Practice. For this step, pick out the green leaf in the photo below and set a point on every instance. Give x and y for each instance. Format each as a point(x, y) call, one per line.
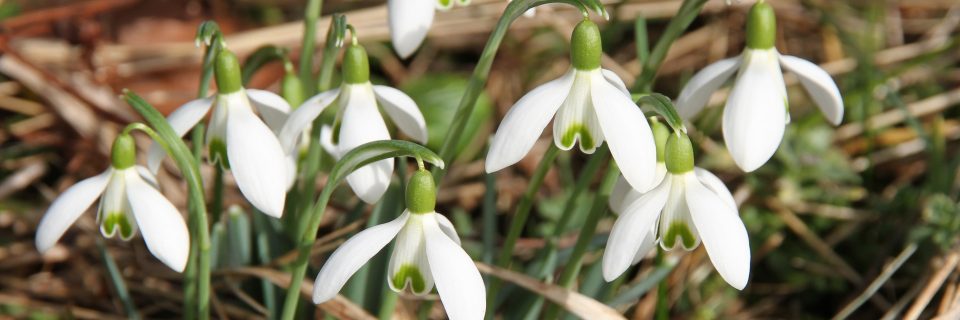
point(662, 106)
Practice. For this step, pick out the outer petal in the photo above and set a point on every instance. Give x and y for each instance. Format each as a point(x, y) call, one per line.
point(350, 256)
point(184, 118)
point(648, 243)
point(301, 118)
point(722, 232)
point(525, 121)
point(819, 85)
point(456, 276)
point(626, 130)
point(403, 111)
point(615, 80)
point(623, 194)
point(695, 94)
point(755, 115)
point(630, 230)
point(257, 161)
point(148, 176)
point(447, 227)
point(409, 22)
point(713, 183)
point(363, 123)
point(272, 107)
point(161, 224)
point(65, 210)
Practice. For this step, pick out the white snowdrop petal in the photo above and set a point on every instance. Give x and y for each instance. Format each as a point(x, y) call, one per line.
point(627, 133)
point(161, 224)
point(523, 124)
point(181, 120)
point(447, 227)
point(716, 185)
point(721, 230)
point(65, 210)
point(615, 80)
point(630, 230)
point(409, 22)
point(408, 268)
point(403, 111)
point(755, 114)
point(272, 107)
point(696, 93)
point(818, 83)
point(301, 118)
point(257, 161)
point(362, 123)
point(352, 255)
point(456, 276)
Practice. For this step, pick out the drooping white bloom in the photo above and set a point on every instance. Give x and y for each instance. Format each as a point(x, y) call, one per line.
point(592, 106)
point(427, 253)
point(689, 205)
point(411, 19)
point(129, 200)
point(359, 122)
point(756, 111)
point(238, 138)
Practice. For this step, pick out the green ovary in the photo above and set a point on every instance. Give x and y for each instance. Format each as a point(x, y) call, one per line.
point(411, 272)
point(570, 136)
point(681, 230)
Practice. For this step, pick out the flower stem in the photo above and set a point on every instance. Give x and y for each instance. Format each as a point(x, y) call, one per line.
point(117, 280)
point(689, 10)
point(519, 220)
point(216, 204)
point(311, 15)
point(663, 304)
point(597, 211)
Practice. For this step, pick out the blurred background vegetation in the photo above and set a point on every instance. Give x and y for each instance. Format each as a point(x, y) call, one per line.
point(857, 221)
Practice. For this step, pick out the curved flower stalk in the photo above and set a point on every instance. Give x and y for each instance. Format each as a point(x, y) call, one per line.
point(591, 105)
point(129, 200)
point(427, 254)
point(689, 205)
point(411, 19)
point(756, 112)
point(237, 138)
point(358, 121)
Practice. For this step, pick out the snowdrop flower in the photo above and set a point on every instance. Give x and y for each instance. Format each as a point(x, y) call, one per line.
point(236, 138)
point(591, 105)
point(358, 121)
point(756, 112)
point(427, 254)
point(688, 205)
point(411, 19)
point(129, 201)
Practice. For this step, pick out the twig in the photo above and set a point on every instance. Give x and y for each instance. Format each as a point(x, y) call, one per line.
point(888, 271)
point(932, 287)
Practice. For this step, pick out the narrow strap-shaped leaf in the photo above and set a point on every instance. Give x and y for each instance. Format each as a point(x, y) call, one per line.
point(662, 105)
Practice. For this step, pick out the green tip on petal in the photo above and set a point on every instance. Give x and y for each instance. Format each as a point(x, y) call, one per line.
point(570, 136)
point(660, 135)
point(586, 48)
point(292, 89)
point(761, 27)
point(421, 193)
point(227, 72)
point(356, 65)
point(218, 153)
point(411, 273)
point(117, 221)
point(124, 153)
point(682, 231)
point(678, 153)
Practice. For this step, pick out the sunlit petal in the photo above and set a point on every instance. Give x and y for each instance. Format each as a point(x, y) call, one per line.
point(723, 233)
point(181, 120)
point(161, 224)
point(65, 210)
point(630, 230)
point(409, 22)
point(818, 83)
point(403, 111)
point(272, 107)
point(257, 161)
point(756, 112)
point(696, 93)
point(627, 133)
point(457, 279)
point(301, 118)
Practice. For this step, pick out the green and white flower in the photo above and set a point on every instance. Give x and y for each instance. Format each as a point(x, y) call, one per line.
point(358, 122)
point(689, 205)
point(756, 112)
point(237, 138)
point(592, 105)
point(410, 21)
point(129, 200)
point(427, 253)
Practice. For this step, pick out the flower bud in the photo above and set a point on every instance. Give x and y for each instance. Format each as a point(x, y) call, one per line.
point(586, 49)
point(679, 153)
point(421, 193)
point(356, 66)
point(124, 153)
point(761, 26)
point(660, 135)
point(227, 72)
